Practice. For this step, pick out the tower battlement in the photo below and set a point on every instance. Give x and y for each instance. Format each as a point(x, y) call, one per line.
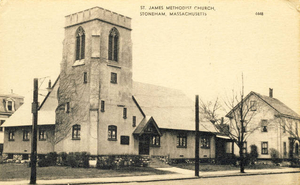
point(98, 13)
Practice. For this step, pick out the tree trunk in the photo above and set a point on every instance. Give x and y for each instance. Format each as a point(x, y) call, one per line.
point(242, 160)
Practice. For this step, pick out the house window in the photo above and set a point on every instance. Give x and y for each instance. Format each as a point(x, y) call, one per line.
point(10, 156)
point(264, 124)
point(1, 122)
point(124, 140)
point(253, 105)
point(244, 147)
point(124, 113)
point(113, 45)
point(80, 43)
point(284, 149)
point(11, 135)
point(9, 105)
point(25, 157)
point(67, 107)
point(133, 121)
point(25, 135)
point(113, 78)
point(102, 106)
point(42, 135)
point(112, 133)
point(155, 141)
point(264, 147)
point(181, 141)
point(76, 132)
point(85, 77)
point(205, 142)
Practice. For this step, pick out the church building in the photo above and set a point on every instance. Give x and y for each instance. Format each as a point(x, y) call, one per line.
point(96, 107)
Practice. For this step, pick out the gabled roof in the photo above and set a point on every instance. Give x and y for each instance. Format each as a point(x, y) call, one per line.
point(170, 108)
point(46, 113)
point(144, 124)
point(274, 103)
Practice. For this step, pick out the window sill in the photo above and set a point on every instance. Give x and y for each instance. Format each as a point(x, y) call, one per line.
point(11, 140)
point(25, 139)
point(75, 138)
point(42, 139)
point(154, 145)
point(265, 154)
point(78, 63)
point(181, 146)
point(205, 147)
point(109, 139)
point(112, 82)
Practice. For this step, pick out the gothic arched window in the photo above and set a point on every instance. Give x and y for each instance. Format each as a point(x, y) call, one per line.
point(80, 43)
point(113, 44)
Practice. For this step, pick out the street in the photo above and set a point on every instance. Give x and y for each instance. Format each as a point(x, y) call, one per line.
point(273, 179)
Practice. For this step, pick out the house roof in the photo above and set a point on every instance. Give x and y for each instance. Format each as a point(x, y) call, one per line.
point(46, 113)
point(170, 108)
point(274, 103)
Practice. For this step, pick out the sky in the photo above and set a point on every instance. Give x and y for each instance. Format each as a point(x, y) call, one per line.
point(203, 55)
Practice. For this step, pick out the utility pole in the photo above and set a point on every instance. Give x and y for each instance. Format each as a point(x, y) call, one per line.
point(34, 132)
point(197, 136)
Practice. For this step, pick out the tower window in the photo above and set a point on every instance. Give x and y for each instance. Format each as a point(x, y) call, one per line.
point(124, 113)
point(134, 121)
point(102, 106)
point(76, 132)
point(112, 133)
point(85, 77)
point(67, 107)
point(80, 43)
point(113, 78)
point(113, 44)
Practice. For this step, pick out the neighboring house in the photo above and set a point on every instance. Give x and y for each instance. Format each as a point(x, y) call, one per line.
point(17, 136)
point(100, 110)
point(9, 103)
point(269, 120)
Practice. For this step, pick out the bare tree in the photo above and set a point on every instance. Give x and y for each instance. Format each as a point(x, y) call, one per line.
point(290, 126)
point(238, 127)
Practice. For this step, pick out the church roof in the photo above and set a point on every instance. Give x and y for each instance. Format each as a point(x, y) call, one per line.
point(170, 108)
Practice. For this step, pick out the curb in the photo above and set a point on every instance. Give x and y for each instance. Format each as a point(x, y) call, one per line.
point(166, 179)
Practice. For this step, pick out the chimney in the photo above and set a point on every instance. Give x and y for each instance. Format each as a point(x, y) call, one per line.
point(49, 88)
point(270, 92)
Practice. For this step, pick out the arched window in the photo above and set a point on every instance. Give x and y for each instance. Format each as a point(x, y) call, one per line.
point(112, 132)
point(80, 43)
point(76, 132)
point(113, 44)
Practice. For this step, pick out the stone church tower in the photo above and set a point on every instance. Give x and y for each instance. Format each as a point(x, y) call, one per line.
point(94, 97)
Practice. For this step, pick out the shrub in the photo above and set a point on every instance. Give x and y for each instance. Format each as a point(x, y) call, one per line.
point(253, 154)
point(275, 156)
point(63, 158)
point(48, 160)
point(228, 158)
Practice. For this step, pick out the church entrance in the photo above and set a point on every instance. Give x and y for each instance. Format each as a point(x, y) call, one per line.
point(144, 144)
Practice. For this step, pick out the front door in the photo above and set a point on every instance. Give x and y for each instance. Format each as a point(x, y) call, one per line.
point(144, 144)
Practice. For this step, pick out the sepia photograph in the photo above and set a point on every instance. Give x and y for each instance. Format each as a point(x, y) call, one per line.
point(150, 92)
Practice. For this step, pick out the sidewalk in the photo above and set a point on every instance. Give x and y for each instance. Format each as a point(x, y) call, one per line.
point(180, 174)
